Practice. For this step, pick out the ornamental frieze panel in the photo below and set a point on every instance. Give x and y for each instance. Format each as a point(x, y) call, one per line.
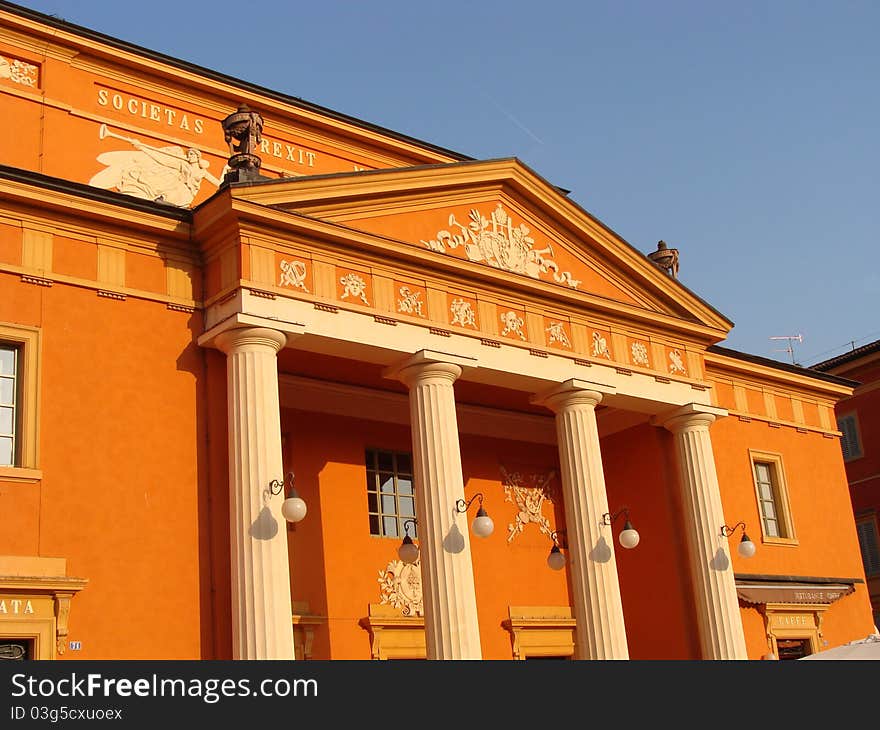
point(512, 324)
point(494, 238)
point(600, 344)
point(528, 490)
point(463, 311)
point(400, 586)
point(557, 333)
point(638, 353)
point(410, 299)
point(19, 72)
point(353, 287)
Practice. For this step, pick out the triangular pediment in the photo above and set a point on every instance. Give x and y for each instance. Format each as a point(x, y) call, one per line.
point(498, 214)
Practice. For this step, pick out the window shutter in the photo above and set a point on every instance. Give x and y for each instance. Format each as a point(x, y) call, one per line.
point(849, 439)
point(869, 545)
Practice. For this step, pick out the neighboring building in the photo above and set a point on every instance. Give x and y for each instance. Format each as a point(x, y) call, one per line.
point(408, 331)
point(858, 419)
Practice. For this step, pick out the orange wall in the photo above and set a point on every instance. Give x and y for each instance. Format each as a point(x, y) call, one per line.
point(820, 510)
point(335, 562)
point(655, 585)
point(119, 451)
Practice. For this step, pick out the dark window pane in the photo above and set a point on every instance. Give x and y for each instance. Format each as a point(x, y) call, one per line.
point(370, 459)
point(404, 464)
point(372, 502)
point(386, 461)
point(374, 525)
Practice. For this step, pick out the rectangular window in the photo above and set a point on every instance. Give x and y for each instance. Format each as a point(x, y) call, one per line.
point(9, 420)
point(869, 543)
point(772, 494)
point(390, 495)
point(850, 442)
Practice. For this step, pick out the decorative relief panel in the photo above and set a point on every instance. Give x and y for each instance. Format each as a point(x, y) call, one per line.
point(528, 491)
point(556, 335)
point(512, 325)
point(463, 312)
point(353, 286)
point(400, 585)
point(19, 72)
point(497, 242)
point(411, 300)
point(293, 274)
point(599, 345)
point(676, 362)
point(639, 354)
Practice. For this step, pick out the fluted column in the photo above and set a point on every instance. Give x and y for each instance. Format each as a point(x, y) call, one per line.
point(598, 611)
point(720, 623)
point(451, 627)
point(261, 604)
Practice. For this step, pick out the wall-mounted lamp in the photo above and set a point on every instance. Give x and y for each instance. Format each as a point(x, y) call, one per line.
point(482, 525)
point(408, 552)
point(294, 507)
point(746, 547)
point(628, 537)
point(556, 558)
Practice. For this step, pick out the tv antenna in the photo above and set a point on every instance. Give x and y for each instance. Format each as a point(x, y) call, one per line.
point(790, 349)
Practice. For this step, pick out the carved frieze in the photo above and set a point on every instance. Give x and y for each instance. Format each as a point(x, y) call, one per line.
point(462, 313)
point(19, 72)
point(600, 346)
point(639, 352)
point(354, 286)
point(513, 325)
point(400, 585)
point(527, 491)
point(293, 273)
point(556, 333)
point(676, 362)
point(496, 241)
point(410, 301)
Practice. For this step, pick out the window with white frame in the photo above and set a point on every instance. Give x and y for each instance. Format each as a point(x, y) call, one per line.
point(9, 388)
point(850, 442)
point(869, 543)
point(390, 496)
point(772, 494)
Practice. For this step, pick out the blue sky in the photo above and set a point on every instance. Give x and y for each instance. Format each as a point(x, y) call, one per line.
point(744, 134)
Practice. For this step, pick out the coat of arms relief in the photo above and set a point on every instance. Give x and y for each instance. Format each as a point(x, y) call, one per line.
point(528, 491)
point(496, 241)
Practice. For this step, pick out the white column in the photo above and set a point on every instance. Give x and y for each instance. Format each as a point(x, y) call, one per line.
point(261, 605)
point(451, 627)
point(720, 622)
point(601, 633)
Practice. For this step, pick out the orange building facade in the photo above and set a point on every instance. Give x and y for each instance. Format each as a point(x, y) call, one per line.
point(410, 333)
point(858, 419)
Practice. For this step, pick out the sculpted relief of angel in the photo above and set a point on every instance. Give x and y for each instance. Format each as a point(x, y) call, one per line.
point(169, 174)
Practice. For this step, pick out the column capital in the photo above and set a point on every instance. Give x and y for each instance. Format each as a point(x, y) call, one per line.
point(573, 392)
point(690, 416)
point(429, 364)
point(236, 339)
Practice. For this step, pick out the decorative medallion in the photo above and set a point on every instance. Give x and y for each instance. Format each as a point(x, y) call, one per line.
point(496, 242)
point(676, 364)
point(401, 586)
point(600, 346)
point(410, 301)
point(293, 273)
point(462, 313)
point(355, 286)
point(18, 72)
point(527, 491)
point(639, 353)
point(556, 330)
point(512, 324)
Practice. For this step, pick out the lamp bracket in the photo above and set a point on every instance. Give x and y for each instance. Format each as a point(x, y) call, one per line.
point(276, 486)
point(728, 531)
point(558, 538)
point(608, 518)
point(462, 506)
point(406, 524)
